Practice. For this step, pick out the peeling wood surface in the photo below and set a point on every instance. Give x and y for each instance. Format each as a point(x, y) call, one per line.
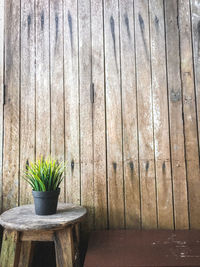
point(113, 88)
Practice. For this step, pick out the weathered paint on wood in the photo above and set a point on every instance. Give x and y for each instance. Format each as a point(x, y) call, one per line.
point(160, 116)
point(176, 117)
point(145, 120)
point(86, 112)
point(129, 111)
point(42, 79)
point(56, 85)
point(71, 93)
point(98, 105)
point(113, 115)
point(27, 114)
point(1, 92)
point(11, 105)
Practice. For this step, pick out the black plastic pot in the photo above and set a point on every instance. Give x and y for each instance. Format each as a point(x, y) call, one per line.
point(46, 202)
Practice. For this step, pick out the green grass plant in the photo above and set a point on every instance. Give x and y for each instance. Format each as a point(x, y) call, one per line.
point(44, 175)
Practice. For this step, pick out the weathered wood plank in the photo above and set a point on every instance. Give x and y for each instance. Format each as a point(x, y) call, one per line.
point(27, 115)
point(160, 116)
point(86, 112)
point(1, 92)
point(10, 250)
point(26, 254)
point(189, 109)
point(57, 94)
point(11, 107)
point(63, 240)
point(175, 115)
point(129, 109)
point(113, 115)
point(195, 16)
point(71, 92)
point(145, 120)
point(42, 79)
point(100, 183)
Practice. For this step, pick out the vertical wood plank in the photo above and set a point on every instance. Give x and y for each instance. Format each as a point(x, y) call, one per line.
point(1, 92)
point(86, 112)
point(113, 115)
point(63, 240)
point(71, 86)
point(27, 114)
point(100, 184)
point(195, 16)
point(145, 120)
point(11, 107)
point(160, 116)
point(129, 109)
point(175, 114)
point(190, 119)
point(10, 251)
point(42, 79)
point(57, 94)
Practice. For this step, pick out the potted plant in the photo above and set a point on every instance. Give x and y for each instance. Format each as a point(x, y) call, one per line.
point(45, 176)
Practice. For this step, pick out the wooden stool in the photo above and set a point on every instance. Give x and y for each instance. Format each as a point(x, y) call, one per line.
point(23, 227)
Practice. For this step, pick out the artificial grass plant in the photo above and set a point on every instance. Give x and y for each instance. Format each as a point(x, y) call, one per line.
point(44, 175)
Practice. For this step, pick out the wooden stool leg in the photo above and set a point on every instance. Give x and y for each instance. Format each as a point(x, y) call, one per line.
point(76, 245)
point(10, 250)
point(64, 247)
point(26, 253)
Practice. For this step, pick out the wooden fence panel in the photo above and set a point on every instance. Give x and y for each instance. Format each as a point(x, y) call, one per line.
point(113, 115)
point(27, 115)
point(56, 85)
point(71, 94)
point(160, 116)
point(11, 105)
point(129, 110)
point(86, 112)
point(145, 120)
point(98, 99)
point(190, 116)
point(42, 79)
point(175, 115)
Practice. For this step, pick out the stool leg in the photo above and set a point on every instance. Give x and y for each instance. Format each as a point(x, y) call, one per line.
point(10, 250)
point(64, 247)
point(26, 254)
point(76, 244)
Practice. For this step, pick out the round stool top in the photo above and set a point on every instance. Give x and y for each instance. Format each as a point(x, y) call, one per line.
point(23, 218)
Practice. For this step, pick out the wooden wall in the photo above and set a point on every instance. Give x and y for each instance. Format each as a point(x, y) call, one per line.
point(113, 88)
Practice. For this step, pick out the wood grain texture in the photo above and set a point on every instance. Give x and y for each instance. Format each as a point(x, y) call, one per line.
point(27, 114)
point(10, 251)
point(113, 115)
point(189, 110)
point(145, 119)
point(129, 110)
point(64, 247)
point(99, 142)
point(42, 79)
point(175, 115)
point(26, 254)
point(71, 92)
point(1, 92)
point(160, 116)
point(11, 107)
point(56, 84)
point(195, 21)
point(86, 112)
